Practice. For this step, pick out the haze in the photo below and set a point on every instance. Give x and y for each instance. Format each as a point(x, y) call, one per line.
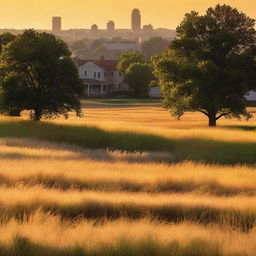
point(82, 13)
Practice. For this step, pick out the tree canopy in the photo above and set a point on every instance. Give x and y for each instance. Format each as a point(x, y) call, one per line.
point(211, 64)
point(38, 74)
point(6, 38)
point(129, 58)
point(154, 45)
point(139, 76)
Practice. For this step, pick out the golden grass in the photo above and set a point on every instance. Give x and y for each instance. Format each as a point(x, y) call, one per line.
point(34, 162)
point(143, 237)
point(62, 200)
point(156, 120)
point(100, 184)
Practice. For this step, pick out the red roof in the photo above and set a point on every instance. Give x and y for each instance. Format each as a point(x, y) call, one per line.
point(108, 65)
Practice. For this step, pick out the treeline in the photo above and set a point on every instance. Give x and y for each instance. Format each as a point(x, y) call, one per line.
point(94, 49)
point(209, 67)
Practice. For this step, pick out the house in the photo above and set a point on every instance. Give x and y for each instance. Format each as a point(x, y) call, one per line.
point(101, 77)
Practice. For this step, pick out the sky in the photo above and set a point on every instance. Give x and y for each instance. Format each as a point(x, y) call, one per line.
point(83, 13)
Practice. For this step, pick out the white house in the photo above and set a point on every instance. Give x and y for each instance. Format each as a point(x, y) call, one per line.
point(101, 77)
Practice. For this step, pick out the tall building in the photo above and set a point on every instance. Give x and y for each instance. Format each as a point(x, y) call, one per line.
point(94, 28)
point(136, 20)
point(110, 26)
point(56, 25)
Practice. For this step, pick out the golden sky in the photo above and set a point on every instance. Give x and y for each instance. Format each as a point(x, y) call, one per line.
point(83, 13)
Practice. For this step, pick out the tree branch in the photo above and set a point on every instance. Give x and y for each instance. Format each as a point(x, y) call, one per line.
point(204, 112)
point(224, 114)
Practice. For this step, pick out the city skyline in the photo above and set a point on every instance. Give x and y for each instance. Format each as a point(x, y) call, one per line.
point(82, 14)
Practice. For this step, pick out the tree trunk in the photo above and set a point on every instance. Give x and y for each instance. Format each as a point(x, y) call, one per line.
point(212, 120)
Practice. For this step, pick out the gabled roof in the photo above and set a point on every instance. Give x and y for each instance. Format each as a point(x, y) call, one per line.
point(108, 65)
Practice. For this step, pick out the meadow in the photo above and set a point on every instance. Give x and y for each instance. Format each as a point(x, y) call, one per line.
point(127, 180)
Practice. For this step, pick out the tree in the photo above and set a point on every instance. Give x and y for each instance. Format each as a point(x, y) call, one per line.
point(98, 43)
point(100, 52)
point(129, 58)
point(6, 38)
point(139, 76)
point(38, 74)
point(154, 45)
point(80, 48)
point(210, 66)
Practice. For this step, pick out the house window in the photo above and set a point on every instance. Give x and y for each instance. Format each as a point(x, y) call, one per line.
point(119, 86)
point(112, 74)
point(120, 73)
point(98, 74)
point(85, 73)
point(94, 74)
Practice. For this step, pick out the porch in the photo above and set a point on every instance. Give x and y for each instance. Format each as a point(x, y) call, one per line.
point(96, 88)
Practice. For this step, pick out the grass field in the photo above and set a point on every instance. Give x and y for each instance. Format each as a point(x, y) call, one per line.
point(127, 180)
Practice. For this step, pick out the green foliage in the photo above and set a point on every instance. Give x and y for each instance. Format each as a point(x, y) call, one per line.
point(38, 74)
point(5, 38)
point(154, 45)
point(100, 52)
point(129, 58)
point(98, 43)
point(139, 76)
point(80, 48)
point(210, 66)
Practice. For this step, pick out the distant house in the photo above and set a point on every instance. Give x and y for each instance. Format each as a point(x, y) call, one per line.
point(101, 77)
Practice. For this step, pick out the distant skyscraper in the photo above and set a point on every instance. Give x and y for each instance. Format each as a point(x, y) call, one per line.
point(136, 20)
point(110, 26)
point(56, 25)
point(94, 28)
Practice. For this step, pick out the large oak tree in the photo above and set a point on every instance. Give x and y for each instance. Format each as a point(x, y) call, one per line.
point(211, 65)
point(38, 74)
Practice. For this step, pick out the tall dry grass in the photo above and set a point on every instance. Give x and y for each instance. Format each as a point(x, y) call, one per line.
point(33, 162)
point(148, 185)
point(44, 234)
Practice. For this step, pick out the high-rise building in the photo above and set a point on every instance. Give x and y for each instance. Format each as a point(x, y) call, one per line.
point(94, 28)
point(136, 20)
point(110, 26)
point(56, 25)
